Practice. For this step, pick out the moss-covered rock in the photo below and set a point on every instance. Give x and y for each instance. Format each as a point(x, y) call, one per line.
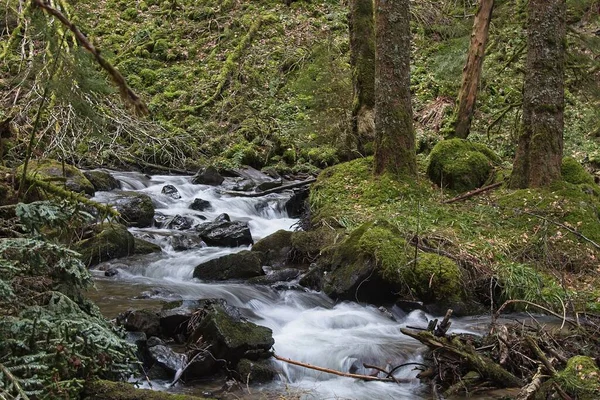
point(461, 165)
point(58, 173)
point(135, 208)
point(231, 336)
point(145, 247)
point(243, 265)
point(106, 390)
point(436, 278)
point(108, 241)
point(274, 248)
point(257, 371)
point(102, 180)
point(367, 265)
point(581, 378)
point(573, 172)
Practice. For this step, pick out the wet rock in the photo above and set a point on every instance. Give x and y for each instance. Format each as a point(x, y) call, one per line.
point(102, 180)
point(176, 222)
point(200, 205)
point(142, 247)
point(171, 191)
point(111, 272)
point(275, 247)
point(186, 242)
point(175, 315)
point(223, 218)
point(243, 185)
point(106, 390)
point(146, 321)
point(137, 338)
point(232, 337)
point(258, 371)
point(282, 275)
point(297, 205)
point(165, 359)
point(243, 265)
point(59, 174)
point(225, 233)
point(208, 176)
point(105, 242)
point(135, 208)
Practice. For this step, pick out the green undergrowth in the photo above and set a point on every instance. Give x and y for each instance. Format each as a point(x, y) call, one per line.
point(537, 245)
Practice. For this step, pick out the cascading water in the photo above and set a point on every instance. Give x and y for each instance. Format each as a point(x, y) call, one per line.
point(307, 326)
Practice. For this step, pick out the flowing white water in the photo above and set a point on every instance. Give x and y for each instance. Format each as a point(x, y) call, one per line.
point(307, 326)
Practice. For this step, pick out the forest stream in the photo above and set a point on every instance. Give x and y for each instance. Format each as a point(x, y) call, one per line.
point(307, 326)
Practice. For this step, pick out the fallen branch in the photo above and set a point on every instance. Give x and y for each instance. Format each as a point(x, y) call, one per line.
point(529, 390)
point(466, 353)
point(508, 302)
point(269, 191)
point(339, 373)
point(473, 193)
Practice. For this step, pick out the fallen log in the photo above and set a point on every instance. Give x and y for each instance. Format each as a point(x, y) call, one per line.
point(486, 367)
point(473, 193)
point(340, 373)
point(269, 191)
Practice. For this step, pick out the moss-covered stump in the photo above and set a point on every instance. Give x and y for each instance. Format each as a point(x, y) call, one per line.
point(58, 173)
point(108, 241)
point(106, 390)
point(581, 378)
point(461, 165)
point(135, 208)
point(243, 265)
point(102, 180)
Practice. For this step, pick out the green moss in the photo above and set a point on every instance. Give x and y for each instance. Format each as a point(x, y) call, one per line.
point(109, 241)
point(460, 165)
point(581, 378)
point(436, 278)
point(106, 390)
point(56, 172)
point(142, 246)
point(573, 172)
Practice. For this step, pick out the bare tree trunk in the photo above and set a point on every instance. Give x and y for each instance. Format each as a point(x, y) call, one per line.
point(472, 70)
point(362, 59)
point(394, 135)
point(539, 152)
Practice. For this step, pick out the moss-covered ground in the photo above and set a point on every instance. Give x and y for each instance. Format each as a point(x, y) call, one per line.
point(535, 245)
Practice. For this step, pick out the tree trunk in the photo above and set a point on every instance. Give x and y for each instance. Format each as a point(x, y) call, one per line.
point(472, 70)
point(362, 59)
point(394, 135)
point(539, 152)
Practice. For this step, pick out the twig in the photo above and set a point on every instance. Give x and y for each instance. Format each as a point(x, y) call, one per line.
point(339, 373)
point(443, 327)
point(388, 374)
point(529, 390)
point(473, 193)
point(508, 302)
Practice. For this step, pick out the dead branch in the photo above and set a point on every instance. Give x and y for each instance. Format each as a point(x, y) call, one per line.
point(443, 327)
point(473, 193)
point(529, 390)
point(465, 352)
point(508, 302)
point(339, 373)
point(127, 93)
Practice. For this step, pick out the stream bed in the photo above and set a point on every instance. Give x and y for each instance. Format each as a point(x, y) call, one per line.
point(307, 326)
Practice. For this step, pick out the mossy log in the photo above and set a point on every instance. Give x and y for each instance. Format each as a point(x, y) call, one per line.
point(466, 353)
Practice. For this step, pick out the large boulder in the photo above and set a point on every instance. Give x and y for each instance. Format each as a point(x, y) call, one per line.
point(200, 205)
point(258, 371)
point(58, 173)
point(461, 165)
point(142, 247)
point(165, 362)
point(225, 233)
point(208, 176)
point(105, 242)
point(135, 208)
point(232, 337)
point(243, 265)
point(102, 180)
point(274, 248)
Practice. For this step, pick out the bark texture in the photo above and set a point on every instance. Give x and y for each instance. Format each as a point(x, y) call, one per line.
point(472, 69)
point(539, 152)
point(394, 135)
point(362, 58)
